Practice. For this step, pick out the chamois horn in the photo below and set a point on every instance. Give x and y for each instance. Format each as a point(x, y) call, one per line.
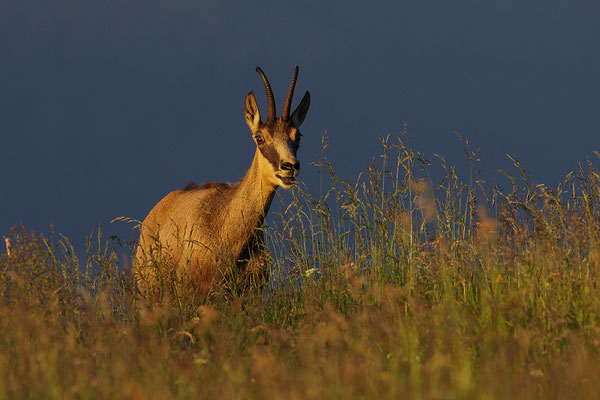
point(270, 99)
point(288, 99)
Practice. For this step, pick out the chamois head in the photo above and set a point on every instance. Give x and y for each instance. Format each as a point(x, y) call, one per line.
point(277, 139)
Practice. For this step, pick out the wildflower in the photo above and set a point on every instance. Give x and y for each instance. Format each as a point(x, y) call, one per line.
point(8, 244)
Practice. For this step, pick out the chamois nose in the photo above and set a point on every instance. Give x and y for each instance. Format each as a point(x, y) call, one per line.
point(287, 166)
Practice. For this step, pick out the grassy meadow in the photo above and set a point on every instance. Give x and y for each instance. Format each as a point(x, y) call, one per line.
point(390, 286)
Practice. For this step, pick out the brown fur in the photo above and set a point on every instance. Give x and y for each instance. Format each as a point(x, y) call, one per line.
point(207, 185)
point(190, 230)
point(191, 186)
point(201, 232)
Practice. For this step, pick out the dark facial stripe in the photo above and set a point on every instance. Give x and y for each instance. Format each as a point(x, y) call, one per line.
point(270, 153)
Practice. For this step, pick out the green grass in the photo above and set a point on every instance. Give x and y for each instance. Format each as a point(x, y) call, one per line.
point(390, 286)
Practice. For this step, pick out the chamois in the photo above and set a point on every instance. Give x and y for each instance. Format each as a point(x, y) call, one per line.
point(200, 231)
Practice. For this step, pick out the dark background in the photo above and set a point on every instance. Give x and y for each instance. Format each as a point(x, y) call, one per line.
point(106, 106)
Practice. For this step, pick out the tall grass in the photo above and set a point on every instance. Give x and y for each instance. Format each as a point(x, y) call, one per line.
point(389, 286)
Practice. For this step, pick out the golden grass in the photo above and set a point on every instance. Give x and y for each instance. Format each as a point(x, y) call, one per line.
point(388, 287)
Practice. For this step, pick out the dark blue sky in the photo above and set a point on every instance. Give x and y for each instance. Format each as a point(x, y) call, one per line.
point(106, 106)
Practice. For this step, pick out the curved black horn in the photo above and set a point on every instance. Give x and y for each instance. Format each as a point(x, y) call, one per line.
point(270, 99)
point(288, 99)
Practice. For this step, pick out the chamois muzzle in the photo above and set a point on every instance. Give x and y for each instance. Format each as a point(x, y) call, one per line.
point(288, 173)
point(287, 166)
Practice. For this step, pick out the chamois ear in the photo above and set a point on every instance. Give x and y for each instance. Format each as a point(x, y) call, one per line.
point(251, 112)
point(300, 112)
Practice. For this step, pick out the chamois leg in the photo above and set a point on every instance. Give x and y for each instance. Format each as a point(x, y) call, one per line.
point(257, 269)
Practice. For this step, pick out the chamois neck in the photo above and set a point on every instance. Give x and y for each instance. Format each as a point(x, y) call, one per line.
point(256, 189)
point(249, 204)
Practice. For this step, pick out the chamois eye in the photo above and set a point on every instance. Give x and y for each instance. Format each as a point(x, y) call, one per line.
point(259, 140)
